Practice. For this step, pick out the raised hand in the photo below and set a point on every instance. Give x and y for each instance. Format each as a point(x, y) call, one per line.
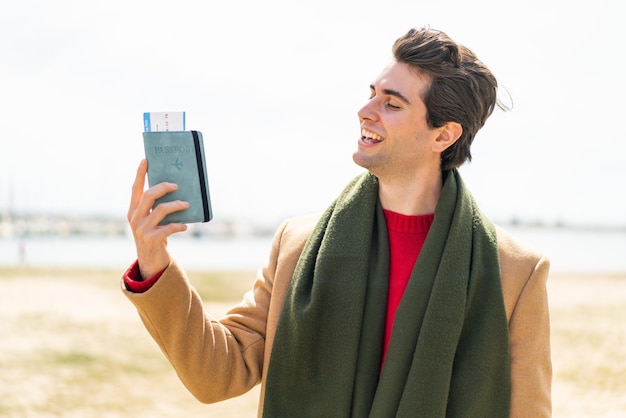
point(150, 238)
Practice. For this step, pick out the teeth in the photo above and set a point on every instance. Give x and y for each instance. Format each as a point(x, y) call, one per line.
point(371, 135)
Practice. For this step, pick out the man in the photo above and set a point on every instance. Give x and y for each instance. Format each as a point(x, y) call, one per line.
point(402, 299)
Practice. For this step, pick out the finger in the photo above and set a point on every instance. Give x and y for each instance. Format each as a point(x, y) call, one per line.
point(150, 196)
point(142, 207)
point(172, 228)
point(157, 235)
point(165, 208)
point(137, 188)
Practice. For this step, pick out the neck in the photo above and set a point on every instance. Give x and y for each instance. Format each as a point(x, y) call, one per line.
point(418, 196)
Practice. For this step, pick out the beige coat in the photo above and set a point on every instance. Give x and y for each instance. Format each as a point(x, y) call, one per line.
point(217, 360)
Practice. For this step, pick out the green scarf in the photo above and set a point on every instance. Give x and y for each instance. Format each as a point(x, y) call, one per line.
point(448, 355)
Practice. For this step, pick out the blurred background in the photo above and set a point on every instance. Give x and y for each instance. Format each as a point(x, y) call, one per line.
point(275, 86)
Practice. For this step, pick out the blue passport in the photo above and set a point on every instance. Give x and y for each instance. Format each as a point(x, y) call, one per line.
point(178, 157)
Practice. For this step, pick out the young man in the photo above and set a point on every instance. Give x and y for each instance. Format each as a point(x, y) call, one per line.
point(402, 299)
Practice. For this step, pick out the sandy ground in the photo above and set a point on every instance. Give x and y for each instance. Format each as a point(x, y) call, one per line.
point(74, 347)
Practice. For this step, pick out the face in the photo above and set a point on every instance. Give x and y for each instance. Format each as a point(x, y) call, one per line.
point(396, 140)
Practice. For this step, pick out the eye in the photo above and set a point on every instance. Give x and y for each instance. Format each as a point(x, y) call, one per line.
point(392, 106)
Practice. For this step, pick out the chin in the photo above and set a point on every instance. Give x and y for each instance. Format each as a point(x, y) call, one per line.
point(366, 163)
point(359, 160)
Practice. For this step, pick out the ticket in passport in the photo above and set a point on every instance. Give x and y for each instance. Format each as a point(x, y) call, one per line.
point(163, 121)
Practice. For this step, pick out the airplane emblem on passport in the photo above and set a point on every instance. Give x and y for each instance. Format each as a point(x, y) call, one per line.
point(177, 164)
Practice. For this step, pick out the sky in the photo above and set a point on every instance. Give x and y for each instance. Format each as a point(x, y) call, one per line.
point(275, 87)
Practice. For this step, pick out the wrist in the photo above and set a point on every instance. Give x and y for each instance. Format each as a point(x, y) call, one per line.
point(134, 281)
point(146, 274)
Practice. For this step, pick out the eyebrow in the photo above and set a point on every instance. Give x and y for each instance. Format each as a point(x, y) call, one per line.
point(394, 93)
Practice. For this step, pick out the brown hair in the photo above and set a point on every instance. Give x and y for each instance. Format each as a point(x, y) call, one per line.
point(462, 89)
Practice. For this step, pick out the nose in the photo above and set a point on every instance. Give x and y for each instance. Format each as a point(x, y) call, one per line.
point(367, 111)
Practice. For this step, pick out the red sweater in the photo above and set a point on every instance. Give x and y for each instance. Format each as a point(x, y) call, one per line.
point(133, 282)
point(406, 238)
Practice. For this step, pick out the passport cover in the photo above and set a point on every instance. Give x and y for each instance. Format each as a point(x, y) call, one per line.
point(178, 157)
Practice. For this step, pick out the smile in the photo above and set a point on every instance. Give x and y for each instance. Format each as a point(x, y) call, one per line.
point(370, 137)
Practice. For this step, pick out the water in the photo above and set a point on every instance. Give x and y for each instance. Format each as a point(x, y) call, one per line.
point(578, 250)
point(570, 251)
point(119, 252)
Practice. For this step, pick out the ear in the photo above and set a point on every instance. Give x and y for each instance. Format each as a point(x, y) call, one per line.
point(448, 135)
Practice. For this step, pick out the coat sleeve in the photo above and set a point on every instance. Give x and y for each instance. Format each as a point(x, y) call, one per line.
point(215, 360)
point(529, 339)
